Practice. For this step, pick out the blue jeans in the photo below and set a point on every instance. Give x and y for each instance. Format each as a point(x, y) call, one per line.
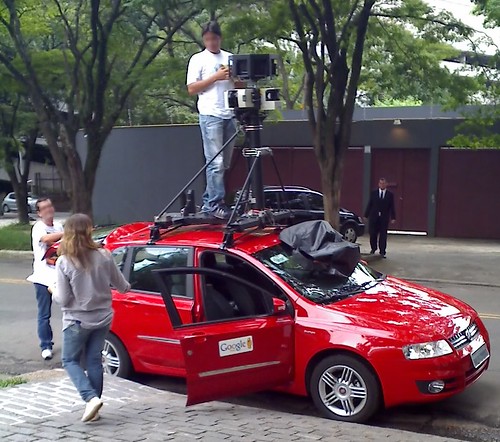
point(44, 301)
point(215, 132)
point(77, 340)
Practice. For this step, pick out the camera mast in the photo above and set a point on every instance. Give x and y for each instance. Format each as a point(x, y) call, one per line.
point(250, 105)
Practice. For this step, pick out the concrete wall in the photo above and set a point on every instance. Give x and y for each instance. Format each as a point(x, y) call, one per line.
point(141, 169)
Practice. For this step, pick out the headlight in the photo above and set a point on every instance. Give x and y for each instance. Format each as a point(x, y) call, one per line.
point(360, 219)
point(427, 350)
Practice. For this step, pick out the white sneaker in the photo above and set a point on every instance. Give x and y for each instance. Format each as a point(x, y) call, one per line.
point(47, 354)
point(91, 409)
point(96, 417)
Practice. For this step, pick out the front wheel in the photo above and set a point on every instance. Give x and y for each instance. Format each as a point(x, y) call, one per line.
point(349, 233)
point(115, 358)
point(6, 208)
point(344, 388)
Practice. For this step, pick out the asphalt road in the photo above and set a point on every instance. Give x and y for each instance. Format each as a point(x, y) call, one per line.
point(472, 415)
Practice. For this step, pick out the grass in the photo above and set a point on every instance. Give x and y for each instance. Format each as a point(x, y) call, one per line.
point(10, 382)
point(15, 237)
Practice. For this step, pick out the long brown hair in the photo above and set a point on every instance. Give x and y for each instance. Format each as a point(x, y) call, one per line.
point(77, 242)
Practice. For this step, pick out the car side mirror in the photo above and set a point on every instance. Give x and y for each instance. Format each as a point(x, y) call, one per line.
point(279, 306)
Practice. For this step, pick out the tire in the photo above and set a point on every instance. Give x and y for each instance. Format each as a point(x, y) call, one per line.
point(5, 208)
point(349, 232)
point(115, 358)
point(344, 388)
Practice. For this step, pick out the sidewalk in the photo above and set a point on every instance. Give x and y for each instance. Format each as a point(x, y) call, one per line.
point(424, 259)
point(50, 410)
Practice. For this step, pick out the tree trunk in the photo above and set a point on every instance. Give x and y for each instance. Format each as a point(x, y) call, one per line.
point(331, 168)
point(22, 202)
point(81, 195)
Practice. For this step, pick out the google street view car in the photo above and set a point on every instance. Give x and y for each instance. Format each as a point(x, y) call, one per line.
point(258, 302)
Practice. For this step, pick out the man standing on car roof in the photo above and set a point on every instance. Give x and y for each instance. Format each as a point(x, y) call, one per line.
point(380, 211)
point(44, 233)
point(208, 76)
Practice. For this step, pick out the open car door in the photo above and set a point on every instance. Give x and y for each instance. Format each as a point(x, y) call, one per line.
point(232, 354)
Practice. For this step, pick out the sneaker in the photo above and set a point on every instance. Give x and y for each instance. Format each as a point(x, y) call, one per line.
point(91, 409)
point(47, 354)
point(96, 417)
point(222, 212)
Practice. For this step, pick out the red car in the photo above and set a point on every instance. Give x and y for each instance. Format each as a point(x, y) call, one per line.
point(254, 316)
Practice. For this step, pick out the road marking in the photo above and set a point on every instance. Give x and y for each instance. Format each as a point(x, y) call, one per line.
point(13, 281)
point(489, 316)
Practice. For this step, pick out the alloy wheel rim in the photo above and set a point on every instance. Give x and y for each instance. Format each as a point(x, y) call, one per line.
point(350, 234)
point(110, 359)
point(343, 390)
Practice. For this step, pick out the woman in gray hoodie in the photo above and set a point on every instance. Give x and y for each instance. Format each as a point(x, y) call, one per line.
point(85, 274)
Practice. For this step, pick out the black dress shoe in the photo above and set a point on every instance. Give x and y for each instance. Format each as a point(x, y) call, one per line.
point(372, 252)
point(383, 255)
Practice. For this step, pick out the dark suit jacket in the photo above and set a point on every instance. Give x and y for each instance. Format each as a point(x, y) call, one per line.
point(383, 206)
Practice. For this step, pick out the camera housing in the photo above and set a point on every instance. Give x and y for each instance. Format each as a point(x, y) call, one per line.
point(252, 67)
point(266, 99)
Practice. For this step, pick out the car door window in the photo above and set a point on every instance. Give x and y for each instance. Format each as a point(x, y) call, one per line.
point(294, 200)
point(147, 259)
point(119, 256)
point(225, 298)
point(272, 201)
point(315, 201)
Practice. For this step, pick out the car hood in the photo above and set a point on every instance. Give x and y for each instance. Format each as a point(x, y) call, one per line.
point(409, 311)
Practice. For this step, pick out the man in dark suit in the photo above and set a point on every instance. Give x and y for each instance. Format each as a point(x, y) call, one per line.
point(380, 211)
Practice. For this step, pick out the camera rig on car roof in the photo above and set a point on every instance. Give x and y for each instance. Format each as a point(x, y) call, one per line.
point(250, 105)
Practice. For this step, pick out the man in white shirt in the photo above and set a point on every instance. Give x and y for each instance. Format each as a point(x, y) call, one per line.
point(208, 77)
point(44, 233)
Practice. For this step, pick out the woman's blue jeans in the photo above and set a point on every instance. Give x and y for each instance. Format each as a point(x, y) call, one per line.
point(77, 341)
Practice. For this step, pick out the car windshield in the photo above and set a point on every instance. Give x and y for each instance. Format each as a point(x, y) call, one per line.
point(315, 280)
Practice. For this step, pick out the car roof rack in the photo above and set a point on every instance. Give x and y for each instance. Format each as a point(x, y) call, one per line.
point(256, 219)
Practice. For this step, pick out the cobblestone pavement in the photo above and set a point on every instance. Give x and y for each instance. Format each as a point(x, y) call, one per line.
point(50, 410)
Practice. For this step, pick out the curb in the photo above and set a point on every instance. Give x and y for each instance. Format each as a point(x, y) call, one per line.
point(17, 252)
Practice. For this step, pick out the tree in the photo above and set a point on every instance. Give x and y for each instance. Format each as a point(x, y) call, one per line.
point(331, 42)
point(332, 36)
point(18, 134)
point(99, 50)
point(480, 128)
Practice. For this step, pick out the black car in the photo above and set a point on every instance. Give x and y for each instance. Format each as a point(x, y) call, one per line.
point(307, 205)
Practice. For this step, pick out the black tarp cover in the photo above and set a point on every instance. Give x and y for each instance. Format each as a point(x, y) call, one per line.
point(318, 241)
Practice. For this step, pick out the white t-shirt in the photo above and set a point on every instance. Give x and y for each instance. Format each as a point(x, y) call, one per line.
point(43, 273)
point(201, 66)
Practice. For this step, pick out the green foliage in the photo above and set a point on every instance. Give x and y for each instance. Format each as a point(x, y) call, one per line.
point(490, 9)
point(479, 131)
point(11, 382)
point(15, 237)
point(481, 128)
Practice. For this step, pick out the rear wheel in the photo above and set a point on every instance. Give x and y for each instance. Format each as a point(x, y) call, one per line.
point(6, 208)
point(344, 388)
point(115, 358)
point(349, 233)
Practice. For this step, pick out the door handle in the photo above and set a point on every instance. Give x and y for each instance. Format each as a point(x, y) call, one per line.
point(131, 300)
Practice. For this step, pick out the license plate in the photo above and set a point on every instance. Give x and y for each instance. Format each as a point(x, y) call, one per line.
point(480, 355)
